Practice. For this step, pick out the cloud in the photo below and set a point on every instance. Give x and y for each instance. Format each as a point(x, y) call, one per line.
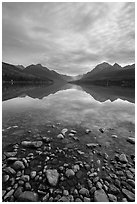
point(68, 37)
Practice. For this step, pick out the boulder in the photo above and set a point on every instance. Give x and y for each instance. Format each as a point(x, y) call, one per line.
point(52, 176)
point(100, 196)
point(28, 196)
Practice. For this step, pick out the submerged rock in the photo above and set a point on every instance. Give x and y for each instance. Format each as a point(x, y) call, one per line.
point(52, 176)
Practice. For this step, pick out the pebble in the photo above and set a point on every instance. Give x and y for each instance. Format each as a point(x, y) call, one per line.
point(9, 170)
point(131, 182)
point(69, 173)
point(27, 186)
point(92, 145)
point(73, 131)
point(9, 194)
point(123, 158)
point(114, 136)
point(10, 154)
point(131, 140)
point(64, 131)
point(60, 136)
point(112, 198)
point(18, 165)
point(52, 176)
point(45, 198)
point(99, 185)
point(28, 196)
point(33, 174)
point(86, 199)
point(5, 178)
point(25, 178)
point(84, 192)
point(78, 200)
point(76, 168)
point(87, 131)
point(100, 196)
point(130, 196)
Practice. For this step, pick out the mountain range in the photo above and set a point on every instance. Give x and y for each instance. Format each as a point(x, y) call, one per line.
point(106, 74)
point(32, 73)
point(102, 74)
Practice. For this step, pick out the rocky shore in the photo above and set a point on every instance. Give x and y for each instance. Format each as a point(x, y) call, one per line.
point(44, 169)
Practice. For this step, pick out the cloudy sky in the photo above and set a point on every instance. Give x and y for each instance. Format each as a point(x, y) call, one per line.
point(71, 38)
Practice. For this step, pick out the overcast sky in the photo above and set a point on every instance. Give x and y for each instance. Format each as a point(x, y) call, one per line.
point(71, 38)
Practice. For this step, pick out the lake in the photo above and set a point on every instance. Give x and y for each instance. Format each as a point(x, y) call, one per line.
point(100, 115)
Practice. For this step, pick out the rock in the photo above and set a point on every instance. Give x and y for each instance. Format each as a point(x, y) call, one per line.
point(64, 199)
point(9, 194)
point(92, 145)
point(71, 134)
point(114, 136)
point(78, 200)
point(100, 196)
point(87, 131)
point(101, 130)
point(25, 178)
point(64, 131)
point(10, 154)
point(84, 192)
point(60, 136)
point(92, 190)
point(65, 193)
point(46, 139)
point(99, 185)
point(131, 182)
point(18, 192)
point(129, 174)
point(9, 170)
point(80, 152)
point(131, 140)
point(76, 168)
point(12, 159)
point(130, 196)
point(52, 176)
point(113, 189)
point(28, 196)
point(5, 178)
point(27, 186)
point(18, 165)
point(123, 158)
point(86, 199)
point(112, 198)
point(73, 131)
point(45, 198)
point(69, 173)
point(29, 144)
point(124, 200)
point(33, 174)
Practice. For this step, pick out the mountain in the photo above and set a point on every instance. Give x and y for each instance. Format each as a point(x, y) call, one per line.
point(20, 66)
point(43, 72)
point(11, 73)
point(106, 74)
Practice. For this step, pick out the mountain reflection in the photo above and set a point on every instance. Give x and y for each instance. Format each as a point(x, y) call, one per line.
point(99, 93)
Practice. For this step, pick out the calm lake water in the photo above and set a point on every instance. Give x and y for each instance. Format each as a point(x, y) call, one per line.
point(33, 108)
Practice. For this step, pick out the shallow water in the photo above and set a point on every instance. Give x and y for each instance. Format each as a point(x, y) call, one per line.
point(93, 107)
